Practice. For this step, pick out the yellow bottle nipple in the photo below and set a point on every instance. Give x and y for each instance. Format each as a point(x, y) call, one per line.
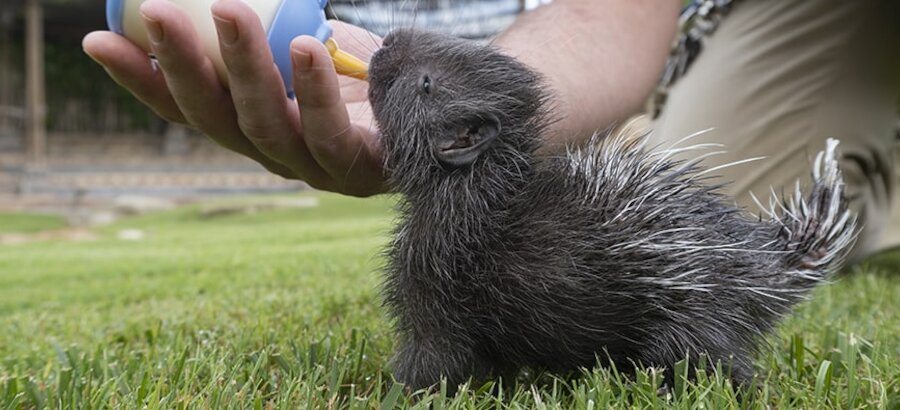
point(346, 64)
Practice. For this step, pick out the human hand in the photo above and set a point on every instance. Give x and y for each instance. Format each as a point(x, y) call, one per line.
point(326, 138)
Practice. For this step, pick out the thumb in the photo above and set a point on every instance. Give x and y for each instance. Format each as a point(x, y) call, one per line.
point(332, 140)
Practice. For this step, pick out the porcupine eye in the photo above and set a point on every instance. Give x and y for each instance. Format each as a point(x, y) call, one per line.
point(425, 84)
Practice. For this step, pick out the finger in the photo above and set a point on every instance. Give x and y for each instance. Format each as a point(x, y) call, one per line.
point(189, 74)
point(130, 67)
point(338, 146)
point(193, 82)
point(264, 113)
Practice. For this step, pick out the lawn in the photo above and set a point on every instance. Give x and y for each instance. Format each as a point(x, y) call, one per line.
point(28, 223)
point(279, 309)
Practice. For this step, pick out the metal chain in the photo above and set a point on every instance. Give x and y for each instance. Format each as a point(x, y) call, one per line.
point(698, 20)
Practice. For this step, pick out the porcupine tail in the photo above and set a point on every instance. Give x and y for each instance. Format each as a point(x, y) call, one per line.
point(817, 230)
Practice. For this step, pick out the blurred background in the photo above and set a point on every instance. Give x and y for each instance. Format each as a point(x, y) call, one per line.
point(73, 143)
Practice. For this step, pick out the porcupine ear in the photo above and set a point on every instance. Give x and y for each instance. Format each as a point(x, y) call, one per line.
point(462, 145)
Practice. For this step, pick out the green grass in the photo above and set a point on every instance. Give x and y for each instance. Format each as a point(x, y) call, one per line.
point(28, 223)
point(279, 309)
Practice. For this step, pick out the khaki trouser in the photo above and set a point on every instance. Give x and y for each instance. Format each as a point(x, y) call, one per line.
point(777, 79)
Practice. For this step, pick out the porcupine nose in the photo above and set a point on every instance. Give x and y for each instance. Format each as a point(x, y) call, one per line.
point(396, 36)
point(386, 55)
point(385, 64)
point(378, 81)
point(378, 73)
point(379, 54)
point(388, 40)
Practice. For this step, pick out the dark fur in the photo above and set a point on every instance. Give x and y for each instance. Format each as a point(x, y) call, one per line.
point(612, 252)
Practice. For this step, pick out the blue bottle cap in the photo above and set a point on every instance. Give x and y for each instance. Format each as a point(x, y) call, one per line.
point(115, 12)
point(296, 18)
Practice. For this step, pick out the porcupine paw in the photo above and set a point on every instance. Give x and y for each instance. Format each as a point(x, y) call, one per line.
point(422, 365)
point(742, 376)
point(737, 366)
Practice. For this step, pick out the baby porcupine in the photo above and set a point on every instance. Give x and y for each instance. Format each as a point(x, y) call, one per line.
point(503, 259)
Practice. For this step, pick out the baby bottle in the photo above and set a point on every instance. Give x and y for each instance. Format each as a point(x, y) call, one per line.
point(283, 20)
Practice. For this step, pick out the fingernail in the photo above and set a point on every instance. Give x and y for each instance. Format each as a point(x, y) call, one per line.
point(302, 59)
point(154, 30)
point(228, 32)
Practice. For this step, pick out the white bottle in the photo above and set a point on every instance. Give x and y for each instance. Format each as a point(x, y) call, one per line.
point(283, 20)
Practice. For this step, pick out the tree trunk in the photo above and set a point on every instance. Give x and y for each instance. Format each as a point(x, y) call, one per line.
point(36, 107)
point(5, 75)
